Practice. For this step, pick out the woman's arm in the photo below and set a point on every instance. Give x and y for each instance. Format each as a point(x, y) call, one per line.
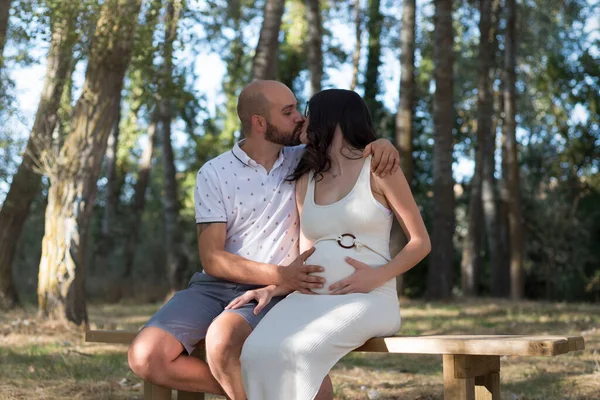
point(397, 193)
point(301, 187)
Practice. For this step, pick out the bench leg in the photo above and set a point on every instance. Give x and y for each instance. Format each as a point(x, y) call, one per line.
point(487, 387)
point(155, 392)
point(471, 377)
point(181, 395)
point(456, 388)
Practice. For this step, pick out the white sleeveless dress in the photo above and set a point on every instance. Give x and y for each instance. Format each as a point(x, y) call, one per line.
point(293, 348)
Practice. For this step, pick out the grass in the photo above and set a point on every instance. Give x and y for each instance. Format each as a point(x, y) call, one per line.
point(43, 360)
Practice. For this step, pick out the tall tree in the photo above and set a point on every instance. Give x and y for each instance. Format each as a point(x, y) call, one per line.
point(440, 274)
point(170, 199)
point(372, 87)
point(73, 175)
point(357, 44)
point(26, 182)
point(512, 162)
point(404, 115)
point(471, 261)
point(487, 62)
point(4, 14)
point(264, 65)
point(500, 279)
point(314, 44)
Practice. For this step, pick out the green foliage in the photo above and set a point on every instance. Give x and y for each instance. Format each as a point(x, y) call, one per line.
point(293, 54)
point(558, 72)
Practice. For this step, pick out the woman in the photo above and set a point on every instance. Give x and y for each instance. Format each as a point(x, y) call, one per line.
point(346, 215)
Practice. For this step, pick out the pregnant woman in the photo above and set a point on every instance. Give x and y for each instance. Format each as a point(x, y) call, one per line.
point(346, 215)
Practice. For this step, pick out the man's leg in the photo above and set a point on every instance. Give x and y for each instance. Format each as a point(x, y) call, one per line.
point(224, 341)
point(159, 353)
point(157, 356)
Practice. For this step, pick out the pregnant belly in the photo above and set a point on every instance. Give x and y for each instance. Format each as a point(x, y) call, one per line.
point(331, 256)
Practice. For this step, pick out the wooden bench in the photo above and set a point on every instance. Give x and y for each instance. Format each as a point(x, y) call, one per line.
point(471, 363)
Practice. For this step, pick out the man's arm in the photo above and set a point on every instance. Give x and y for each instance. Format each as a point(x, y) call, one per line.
point(386, 159)
point(222, 264)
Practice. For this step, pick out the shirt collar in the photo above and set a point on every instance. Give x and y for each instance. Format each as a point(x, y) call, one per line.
point(246, 160)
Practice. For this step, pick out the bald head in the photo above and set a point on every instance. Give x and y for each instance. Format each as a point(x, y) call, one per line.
point(257, 99)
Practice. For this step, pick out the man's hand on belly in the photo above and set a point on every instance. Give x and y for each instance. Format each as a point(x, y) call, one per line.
point(296, 276)
point(363, 280)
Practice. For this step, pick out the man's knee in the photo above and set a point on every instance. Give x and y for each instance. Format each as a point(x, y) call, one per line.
point(225, 338)
point(140, 358)
point(150, 351)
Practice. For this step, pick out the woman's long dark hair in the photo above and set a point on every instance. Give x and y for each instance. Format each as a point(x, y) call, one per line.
point(327, 110)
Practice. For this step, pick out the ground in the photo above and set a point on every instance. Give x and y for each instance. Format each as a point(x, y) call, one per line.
point(43, 360)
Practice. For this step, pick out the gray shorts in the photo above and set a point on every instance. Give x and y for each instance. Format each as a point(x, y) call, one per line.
point(189, 312)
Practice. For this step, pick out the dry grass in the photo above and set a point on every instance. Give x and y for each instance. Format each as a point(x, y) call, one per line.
point(42, 360)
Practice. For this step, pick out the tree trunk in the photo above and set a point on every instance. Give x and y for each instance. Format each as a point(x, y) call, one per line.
point(500, 285)
point(314, 44)
point(471, 263)
point(513, 181)
point(440, 274)
point(357, 46)
point(404, 115)
point(170, 200)
point(264, 65)
point(489, 197)
point(139, 202)
point(26, 182)
point(4, 14)
point(74, 174)
point(372, 89)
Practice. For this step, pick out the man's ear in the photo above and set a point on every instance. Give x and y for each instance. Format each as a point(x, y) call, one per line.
point(259, 122)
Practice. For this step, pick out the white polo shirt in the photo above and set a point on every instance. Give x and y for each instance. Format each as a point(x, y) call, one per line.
point(258, 207)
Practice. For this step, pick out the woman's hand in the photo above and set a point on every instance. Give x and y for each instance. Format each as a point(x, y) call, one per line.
point(262, 296)
point(363, 280)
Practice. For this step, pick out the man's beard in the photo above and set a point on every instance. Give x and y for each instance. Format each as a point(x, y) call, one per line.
point(275, 135)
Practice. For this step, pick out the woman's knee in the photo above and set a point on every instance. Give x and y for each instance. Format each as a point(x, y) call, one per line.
point(224, 339)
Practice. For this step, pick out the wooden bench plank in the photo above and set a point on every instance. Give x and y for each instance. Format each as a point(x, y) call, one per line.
point(492, 345)
point(117, 337)
point(502, 345)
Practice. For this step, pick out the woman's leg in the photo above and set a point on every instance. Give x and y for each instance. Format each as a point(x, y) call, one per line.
point(304, 336)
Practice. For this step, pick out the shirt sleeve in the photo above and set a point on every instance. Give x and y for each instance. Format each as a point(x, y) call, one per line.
point(208, 198)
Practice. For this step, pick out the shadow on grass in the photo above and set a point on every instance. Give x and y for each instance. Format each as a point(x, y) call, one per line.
point(545, 385)
point(400, 363)
point(54, 363)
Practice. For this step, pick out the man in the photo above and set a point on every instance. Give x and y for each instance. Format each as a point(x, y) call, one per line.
point(248, 230)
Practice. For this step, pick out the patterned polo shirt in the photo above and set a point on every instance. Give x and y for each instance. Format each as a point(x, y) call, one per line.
point(259, 207)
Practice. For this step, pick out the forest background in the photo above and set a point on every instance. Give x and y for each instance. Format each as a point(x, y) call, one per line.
point(109, 108)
